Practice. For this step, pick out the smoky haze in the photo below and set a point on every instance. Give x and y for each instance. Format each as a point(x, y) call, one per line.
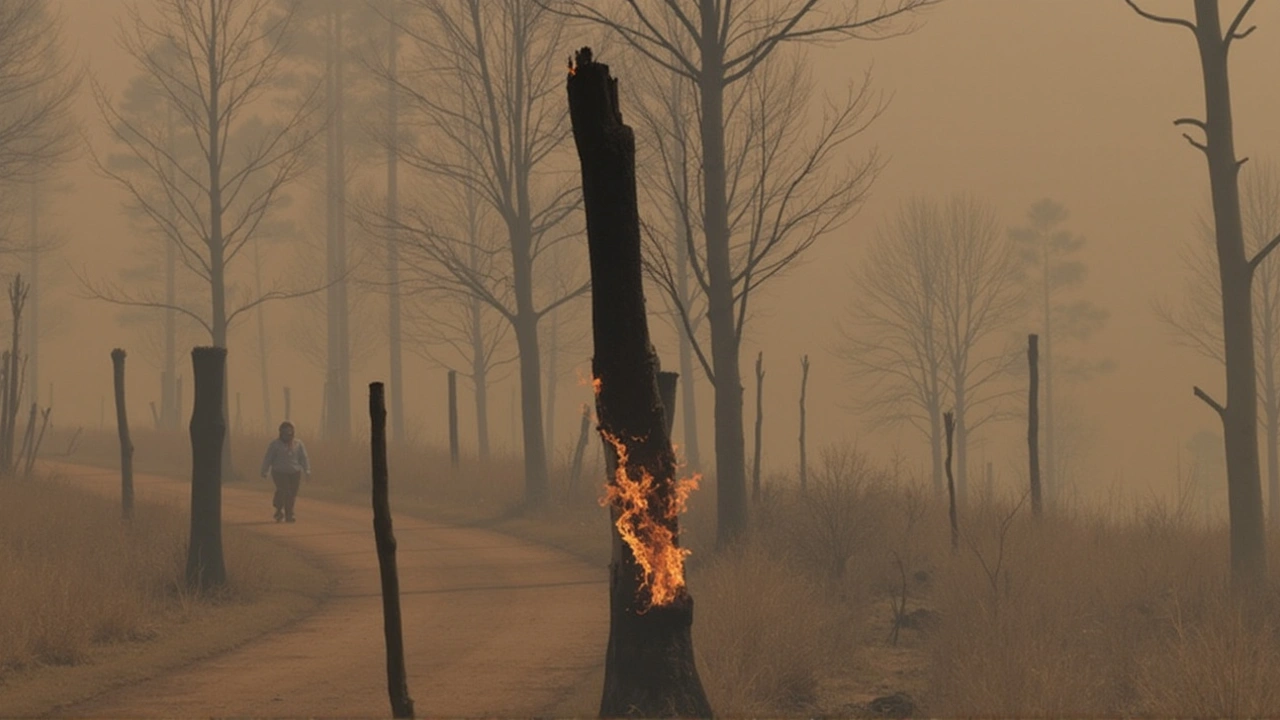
point(1007, 100)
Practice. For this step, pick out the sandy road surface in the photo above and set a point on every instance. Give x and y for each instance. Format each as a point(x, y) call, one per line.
point(493, 626)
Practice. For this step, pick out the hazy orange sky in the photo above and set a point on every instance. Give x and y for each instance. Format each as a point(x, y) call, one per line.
point(1011, 100)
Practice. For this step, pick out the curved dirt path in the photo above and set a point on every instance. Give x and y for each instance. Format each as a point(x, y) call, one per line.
point(493, 626)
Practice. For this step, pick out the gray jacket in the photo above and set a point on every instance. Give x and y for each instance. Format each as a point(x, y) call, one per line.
point(286, 459)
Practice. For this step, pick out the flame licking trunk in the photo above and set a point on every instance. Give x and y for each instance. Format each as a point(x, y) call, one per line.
point(649, 664)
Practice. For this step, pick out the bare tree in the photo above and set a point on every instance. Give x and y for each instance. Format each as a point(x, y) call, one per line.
point(481, 81)
point(37, 90)
point(213, 60)
point(759, 211)
point(1051, 271)
point(934, 297)
point(1195, 318)
point(1236, 270)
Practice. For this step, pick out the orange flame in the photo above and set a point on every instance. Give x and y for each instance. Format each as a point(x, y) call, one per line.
point(644, 528)
point(572, 70)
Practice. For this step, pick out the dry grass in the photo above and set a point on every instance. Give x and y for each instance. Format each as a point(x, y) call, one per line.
point(1085, 613)
point(76, 577)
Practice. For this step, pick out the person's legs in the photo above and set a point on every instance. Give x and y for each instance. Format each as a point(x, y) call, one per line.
point(278, 500)
point(292, 481)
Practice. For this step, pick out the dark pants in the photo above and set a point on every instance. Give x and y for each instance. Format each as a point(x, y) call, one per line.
point(286, 490)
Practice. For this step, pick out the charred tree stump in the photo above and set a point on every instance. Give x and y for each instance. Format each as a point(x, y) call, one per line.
point(668, 383)
point(949, 420)
point(205, 567)
point(122, 427)
point(453, 419)
point(35, 448)
point(1033, 421)
point(649, 661)
point(385, 540)
point(755, 466)
point(804, 386)
point(575, 469)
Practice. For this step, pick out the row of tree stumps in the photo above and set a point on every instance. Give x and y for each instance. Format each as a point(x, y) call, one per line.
point(206, 568)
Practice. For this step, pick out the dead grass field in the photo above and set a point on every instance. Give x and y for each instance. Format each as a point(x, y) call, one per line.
point(1115, 611)
point(90, 601)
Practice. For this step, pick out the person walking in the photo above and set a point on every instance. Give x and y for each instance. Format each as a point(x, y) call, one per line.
point(286, 460)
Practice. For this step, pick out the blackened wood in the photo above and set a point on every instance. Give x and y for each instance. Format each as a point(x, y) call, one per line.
point(385, 540)
point(122, 428)
point(453, 419)
point(649, 660)
point(205, 567)
point(1033, 420)
point(949, 420)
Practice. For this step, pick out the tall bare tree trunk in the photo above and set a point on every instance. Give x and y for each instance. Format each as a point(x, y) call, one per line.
point(480, 378)
point(1050, 478)
point(385, 540)
point(961, 441)
point(553, 356)
point(338, 408)
point(1239, 415)
point(453, 419)
point(804, 385)
point(730, 442)
point(205, 567)
point(33, 302)
point(755, 466)
point(948, 420)
point(1033, 422)
point(122, 429)
point(688, 391)
point(393, 249)
point(261, 312)
point(649, 662)
point(171, 413)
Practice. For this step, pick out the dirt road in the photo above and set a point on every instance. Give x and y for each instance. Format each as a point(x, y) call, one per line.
point(493, 626)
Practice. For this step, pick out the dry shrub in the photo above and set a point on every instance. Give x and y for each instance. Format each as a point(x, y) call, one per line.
point(75, 575)
point(1088, 616)
point(764, 632)
point(1222, 661)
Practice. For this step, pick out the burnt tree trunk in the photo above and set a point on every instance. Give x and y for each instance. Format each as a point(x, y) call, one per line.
point(385, 539)
point(804, 386)
point(122, 427)
point(649, 660)
point(205, 567)
point(453, 419)
point(1033, 422)
point(755, 464)
point(949, 419)
point(575, 469)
